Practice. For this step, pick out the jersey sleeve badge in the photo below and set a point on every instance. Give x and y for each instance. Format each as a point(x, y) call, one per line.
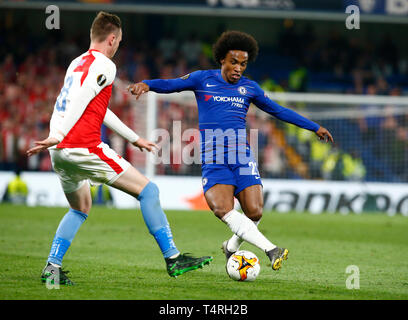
point(101, 79)
point(185, 77)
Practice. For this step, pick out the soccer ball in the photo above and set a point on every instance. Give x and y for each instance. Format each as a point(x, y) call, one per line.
point(243, 266)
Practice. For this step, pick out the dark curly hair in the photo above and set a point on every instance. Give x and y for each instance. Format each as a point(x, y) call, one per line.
point(235, 40)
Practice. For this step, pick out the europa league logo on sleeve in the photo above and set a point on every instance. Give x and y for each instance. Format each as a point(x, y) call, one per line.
point(101, 79)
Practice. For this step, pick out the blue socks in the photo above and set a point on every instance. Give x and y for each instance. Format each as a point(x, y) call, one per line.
point(156, 220)
point(66, 231)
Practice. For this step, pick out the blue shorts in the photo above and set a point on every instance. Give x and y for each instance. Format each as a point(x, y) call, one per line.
point(239, 175)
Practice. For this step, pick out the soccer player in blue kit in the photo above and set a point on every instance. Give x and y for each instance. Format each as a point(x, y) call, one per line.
point(228, 166)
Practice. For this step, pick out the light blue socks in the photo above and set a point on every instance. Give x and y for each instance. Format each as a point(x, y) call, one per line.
point(156, 220)
point(66, 231)
point(153, 215)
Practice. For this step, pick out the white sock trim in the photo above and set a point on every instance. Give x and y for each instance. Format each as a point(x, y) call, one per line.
point(228, 214)
point(55, 265)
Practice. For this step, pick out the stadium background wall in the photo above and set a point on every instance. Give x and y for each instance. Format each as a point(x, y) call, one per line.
point(142, 34)
point(279, 195)
point(142, 26)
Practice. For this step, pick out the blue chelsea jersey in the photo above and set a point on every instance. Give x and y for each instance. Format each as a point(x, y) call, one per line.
point(222, 107)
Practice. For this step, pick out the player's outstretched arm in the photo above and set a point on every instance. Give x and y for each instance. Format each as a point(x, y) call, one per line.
point(114, 123)
point(145, 144)
point(187, 82)
point(263, 102)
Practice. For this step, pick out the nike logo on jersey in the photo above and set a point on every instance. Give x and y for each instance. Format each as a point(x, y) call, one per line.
point(210, 85)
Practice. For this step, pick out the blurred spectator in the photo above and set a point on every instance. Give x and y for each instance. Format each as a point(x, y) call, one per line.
point(180, 68)
point(268, 84)
point(8, 68)
point(274, 164)
point(320, 153)
point(16, 191)
point(388, 52)
point(8, 145)
point(288, 39)
point(168, 46)
point(298, 79)
point(370, 123)
point(340, 165)
point(353, 168)
point(382, 86)
point(191, 49)
point(331, 168)
point(32, 73)
point(101, 195)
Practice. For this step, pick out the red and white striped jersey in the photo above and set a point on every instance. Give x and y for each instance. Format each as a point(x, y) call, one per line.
point(82, 103)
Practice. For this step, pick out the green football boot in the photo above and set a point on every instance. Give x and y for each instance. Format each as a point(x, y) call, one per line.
point(184, 263)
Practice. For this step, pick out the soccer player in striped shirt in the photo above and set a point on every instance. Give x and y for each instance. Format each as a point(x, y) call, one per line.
point(228, 168)
point(78, 155)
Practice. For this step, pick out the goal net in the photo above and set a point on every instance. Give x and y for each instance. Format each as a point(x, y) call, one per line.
point(370, 133)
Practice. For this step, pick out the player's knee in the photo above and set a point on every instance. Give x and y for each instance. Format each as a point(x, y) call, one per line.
point(84, 208)
point(220, 211)
point(254, 212)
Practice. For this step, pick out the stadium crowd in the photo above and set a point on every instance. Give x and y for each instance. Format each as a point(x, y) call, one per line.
point(32, 71)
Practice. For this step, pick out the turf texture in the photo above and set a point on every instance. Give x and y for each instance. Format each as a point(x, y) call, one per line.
point(114, 257)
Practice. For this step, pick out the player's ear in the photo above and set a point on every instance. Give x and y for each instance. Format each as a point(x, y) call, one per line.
point(111, 39)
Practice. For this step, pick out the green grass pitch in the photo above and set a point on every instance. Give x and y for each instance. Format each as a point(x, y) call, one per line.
point(114, 257)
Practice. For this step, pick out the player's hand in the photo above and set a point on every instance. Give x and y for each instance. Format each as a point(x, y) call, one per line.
point(324, 135)
point(145, 144)
point(42, 145)
point(137, 89)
